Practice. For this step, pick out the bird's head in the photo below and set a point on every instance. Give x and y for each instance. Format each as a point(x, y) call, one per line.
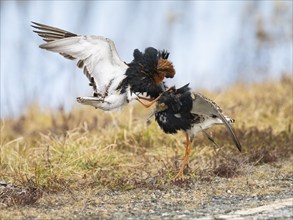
point(160, 107)
point(176, 100)
point(172, 111)
point(166, 99)
point(165, 68)
point(147, 71)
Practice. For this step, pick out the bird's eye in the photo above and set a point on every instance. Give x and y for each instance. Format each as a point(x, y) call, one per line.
point(161, 107)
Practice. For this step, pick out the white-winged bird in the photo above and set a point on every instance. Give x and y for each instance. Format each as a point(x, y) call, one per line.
point(114, 82)
point(181, 109)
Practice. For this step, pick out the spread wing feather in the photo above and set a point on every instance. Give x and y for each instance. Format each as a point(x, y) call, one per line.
point(96, 54)
point(204, 106)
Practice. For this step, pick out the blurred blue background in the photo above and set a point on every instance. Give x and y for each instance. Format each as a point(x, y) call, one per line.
point(213, 44)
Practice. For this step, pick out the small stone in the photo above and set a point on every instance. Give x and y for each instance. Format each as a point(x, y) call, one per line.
point(151, 211)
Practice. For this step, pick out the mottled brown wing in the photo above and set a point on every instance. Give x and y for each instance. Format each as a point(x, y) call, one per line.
point(204, 106)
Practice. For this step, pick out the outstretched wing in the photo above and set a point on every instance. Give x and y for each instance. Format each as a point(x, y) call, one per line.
point(204, 106)
point(97, 55)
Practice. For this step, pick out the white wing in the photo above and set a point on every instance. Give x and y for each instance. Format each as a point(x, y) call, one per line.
point(96, 54)
point(204, 106)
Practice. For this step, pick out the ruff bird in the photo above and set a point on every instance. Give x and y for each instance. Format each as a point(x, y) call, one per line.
point(114, 82)
point(181, 109)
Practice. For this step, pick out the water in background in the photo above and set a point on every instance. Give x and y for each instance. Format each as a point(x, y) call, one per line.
point(212, 43)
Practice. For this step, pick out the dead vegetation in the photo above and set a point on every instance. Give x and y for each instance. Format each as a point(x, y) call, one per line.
point(11, 194)
point(63, 152)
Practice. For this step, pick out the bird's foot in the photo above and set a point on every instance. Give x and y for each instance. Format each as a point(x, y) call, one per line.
point(100, 96)
point(90, 100)
point(179, 176)
point(84, 100)
point(80, 99)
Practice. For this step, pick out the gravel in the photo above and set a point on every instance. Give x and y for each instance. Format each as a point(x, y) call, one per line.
point(164, 205)
point(265, 199)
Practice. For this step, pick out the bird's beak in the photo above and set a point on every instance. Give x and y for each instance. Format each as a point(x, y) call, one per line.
point(148, 120)
point(162, 86)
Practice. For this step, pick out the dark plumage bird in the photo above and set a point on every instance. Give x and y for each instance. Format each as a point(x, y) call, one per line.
point(114, 82)
point(181, 109)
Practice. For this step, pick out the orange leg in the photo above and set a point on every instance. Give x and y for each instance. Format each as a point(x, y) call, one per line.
point(145, 98)
point(185, 158)
point(151, 101)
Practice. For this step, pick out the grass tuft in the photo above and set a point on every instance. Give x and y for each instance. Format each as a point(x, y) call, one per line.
point(87, 148)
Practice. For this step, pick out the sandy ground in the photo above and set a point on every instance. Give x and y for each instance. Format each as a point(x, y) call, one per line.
point(193, 200)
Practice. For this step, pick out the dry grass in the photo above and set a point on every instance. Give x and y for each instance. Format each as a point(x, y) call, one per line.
point(63, 152)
